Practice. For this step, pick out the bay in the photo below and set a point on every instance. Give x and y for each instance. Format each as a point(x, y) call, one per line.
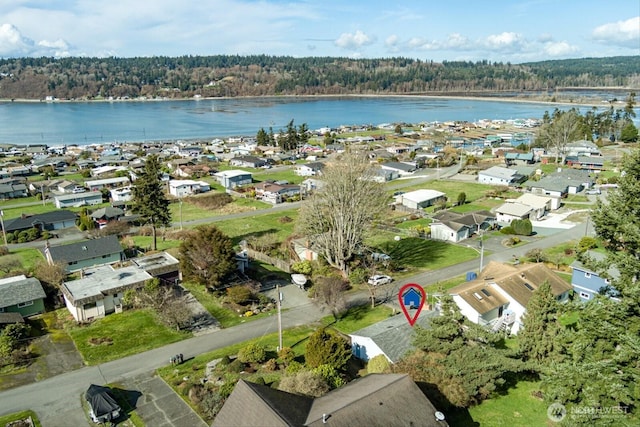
point(56, 123)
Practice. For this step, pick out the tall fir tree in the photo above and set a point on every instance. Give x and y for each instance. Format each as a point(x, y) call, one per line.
point(540, 336)
point(149, 198)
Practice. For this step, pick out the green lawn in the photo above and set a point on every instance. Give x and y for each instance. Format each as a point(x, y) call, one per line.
point(358, 317)
point(278, 175)
point(473, 190)
point(28, 257)
point(6, 419)
point(241, 228)
point(111, 338)
point(518, 408)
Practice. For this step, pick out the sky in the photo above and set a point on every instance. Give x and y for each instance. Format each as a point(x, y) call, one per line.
point(513, 31)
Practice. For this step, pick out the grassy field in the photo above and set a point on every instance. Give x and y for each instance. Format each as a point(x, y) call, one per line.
point(517, 408)
point(6, 419)
point(110, 338)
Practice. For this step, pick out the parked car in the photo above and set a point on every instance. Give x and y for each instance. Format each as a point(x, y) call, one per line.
point(593, 191)
point(77, 190)
point(379, 279)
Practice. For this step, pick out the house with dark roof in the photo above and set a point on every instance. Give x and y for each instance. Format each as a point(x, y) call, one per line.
point(561, 183)
point(54, 220)
point(454, 227)
point(585, 162)
point(21, 294)
point(85, 254)
point(373, 400)
point(276, 193)
point(392, 337)
point(499, 297)
point(401, 168)
point(13, 191)
point(247, 162)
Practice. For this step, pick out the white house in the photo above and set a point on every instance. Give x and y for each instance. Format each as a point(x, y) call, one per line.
point(76, 200)
point(234, 178)
point(498, 299)
point(309, 169)
point(498, 175)
point(539, 205)
point(509, 211)
point(187, 187)
point(123, 194)
point(100, 291)
point(99, 184)
point(420, 199)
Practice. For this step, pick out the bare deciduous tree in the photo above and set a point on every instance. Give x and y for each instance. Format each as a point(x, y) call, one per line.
point(564, 129)
point(328, 292)
point(337, 217)
point(51, 274)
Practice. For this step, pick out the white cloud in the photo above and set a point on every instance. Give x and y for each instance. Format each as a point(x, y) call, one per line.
point(354, 41)
point(13, 43)
point(559, 49)
point(507, 41)
point(621, 33)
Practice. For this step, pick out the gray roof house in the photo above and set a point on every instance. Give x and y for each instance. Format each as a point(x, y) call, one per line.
point(80, 199)
point(54, 220)
point(373, 400)
point(85, 254)
point(13, 191)
point(21, 294)
point(498, 175)
point(392, 337)
point(559, 184)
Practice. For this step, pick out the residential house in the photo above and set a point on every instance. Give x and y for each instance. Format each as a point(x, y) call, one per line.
point(247, 162)
point(187, 187)
point(587, 283)
point(99, 184)
point(85, 254)
point(373, 400)
point(558, 185)
point(100, 291)
point(272, 192)
point(13, 191)
point(123, 194)
point(401, 168)
point(497, 175)
point(539, 205)
point(312, 184)
point(499, 297)
point(54, 220)
point(582, 148)
point(305, 249)
point(509, 211)
point(454, 227)
point(103, 215)
point(234, 178)
point(309, 169)
point(514, 158)
point(21, 294)
point(585, 162)
point(420, 199)
point(382, 175)
point(392, 337)
point(67, 186)
point(79, 199)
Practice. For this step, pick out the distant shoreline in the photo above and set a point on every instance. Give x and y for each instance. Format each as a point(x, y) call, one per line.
point(515, 99)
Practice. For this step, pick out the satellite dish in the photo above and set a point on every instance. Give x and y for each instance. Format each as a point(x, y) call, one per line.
point(439, 416)
point(397, 238)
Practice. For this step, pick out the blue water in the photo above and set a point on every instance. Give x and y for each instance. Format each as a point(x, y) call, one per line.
point(103, 122)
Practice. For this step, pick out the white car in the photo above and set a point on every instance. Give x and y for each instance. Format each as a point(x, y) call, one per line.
point(379, 279)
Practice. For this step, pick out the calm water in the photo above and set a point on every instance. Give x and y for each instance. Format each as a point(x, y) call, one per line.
point(103, 122)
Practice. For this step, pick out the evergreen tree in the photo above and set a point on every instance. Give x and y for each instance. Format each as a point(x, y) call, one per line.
point(540, 339)
point(327, 348)
point(207, 256)
point(629, 132)
point(149, 199)
point(262, 138)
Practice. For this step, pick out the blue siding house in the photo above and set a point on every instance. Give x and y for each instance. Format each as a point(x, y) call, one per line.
point(587, 283)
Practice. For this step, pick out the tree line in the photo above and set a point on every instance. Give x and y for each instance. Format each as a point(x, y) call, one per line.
point(264, 75)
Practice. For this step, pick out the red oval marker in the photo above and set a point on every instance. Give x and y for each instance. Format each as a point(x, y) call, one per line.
point(412, 296)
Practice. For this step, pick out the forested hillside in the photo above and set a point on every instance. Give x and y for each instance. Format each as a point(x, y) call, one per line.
point(261, 75)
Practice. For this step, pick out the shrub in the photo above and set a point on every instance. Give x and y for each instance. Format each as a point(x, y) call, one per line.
point(522, 227)
point(302, 267)
point(327, 348)
point(294, 367)
point(378, 364)
point(252, 353)
point(258, 380)
point(286, 355)
point(238, 294)
point(462, 198)
point(226, 388)
point(236, 366)
point(305, 383)
point(330, 375)
point(270, 365)
point(358, 276)
point(587, 243)
point(507, 230)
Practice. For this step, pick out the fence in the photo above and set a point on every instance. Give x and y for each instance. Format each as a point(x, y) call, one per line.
point(276, 262)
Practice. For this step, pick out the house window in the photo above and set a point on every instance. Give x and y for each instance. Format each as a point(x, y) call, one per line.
point(89, 305)
point(584, 295)
point(587, 275)
point(1, 309)
point(25, 304)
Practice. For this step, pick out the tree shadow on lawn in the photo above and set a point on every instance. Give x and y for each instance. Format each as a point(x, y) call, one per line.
point(455, 417)
point(415, 252)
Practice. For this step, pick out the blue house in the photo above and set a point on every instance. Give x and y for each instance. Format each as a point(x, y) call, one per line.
point(411, 298)
point(588, 283)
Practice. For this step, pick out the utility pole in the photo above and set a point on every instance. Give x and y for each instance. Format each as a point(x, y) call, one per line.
point(279, 299)
point(4, 233)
